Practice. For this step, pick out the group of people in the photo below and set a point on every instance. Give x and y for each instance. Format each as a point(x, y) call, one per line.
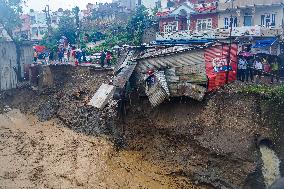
point(253, 68)
point(69, 55)
point(105, 57)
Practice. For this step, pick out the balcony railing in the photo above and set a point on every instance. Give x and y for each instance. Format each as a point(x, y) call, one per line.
point(254, 31)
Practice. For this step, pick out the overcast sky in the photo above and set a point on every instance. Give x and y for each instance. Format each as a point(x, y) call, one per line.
point(55, 4)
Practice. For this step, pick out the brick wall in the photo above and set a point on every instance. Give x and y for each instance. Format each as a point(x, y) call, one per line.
point(193, 20)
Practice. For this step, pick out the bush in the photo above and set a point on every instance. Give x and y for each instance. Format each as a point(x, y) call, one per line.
point(265, 90)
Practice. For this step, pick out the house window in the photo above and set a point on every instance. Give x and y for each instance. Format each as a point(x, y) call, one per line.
point(233, 22)
point(34, 32)
point(247, 20)
point(268, 20)
point(204, 24)
point(170, 27)
point(33, 20)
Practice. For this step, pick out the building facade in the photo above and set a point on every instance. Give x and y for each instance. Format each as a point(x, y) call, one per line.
point(212, 20)
point(176, 20)
point(267, 14)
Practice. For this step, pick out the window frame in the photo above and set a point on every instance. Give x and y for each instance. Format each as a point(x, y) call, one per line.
point(204, 24)
point(268, 20)
point(171, 27)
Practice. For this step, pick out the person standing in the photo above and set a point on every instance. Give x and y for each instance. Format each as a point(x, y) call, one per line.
point(102, 59)
point(35, 56)
point(51, 56)
point(242, 66)
point(239, 68)
point(258, 69)
point(68, 54)
point(249, 71)
point(244, 70)
point(108, 58)
point(84, 55)
point(275, 70)
point(60, 55)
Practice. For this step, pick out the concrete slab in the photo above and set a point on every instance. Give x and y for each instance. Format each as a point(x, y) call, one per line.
point(102, 96)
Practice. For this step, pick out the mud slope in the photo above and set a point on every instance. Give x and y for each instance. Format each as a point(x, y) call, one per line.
point(66, 99)
point(211, 142)
point(37, 154)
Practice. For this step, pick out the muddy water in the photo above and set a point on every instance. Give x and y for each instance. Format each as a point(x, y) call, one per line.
point(270, 168)
point(37, 154)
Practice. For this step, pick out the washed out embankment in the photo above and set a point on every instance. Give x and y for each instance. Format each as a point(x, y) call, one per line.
point(46, 154)
point(210, 142)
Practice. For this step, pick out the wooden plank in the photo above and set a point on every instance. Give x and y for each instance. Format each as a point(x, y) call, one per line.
point(194, 91)
point(193, 78)
point(102, 96)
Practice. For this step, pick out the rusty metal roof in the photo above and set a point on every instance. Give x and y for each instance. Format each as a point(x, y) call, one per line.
point(170, 51)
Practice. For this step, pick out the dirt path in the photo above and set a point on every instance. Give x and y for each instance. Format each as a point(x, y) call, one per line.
point(37, 154)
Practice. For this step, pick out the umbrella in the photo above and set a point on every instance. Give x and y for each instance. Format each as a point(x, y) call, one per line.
point(246, 54)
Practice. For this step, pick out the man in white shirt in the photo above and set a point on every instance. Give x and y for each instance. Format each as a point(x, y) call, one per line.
point(242, 67)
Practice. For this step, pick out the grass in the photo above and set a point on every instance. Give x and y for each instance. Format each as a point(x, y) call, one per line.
point(272, 91)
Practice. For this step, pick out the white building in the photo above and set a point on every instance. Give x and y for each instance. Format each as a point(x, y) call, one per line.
point(268, 13)
point(38, 25)
point(132, 4)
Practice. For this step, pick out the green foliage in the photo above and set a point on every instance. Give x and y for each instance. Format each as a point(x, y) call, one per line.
point(67, 28)
point(265, 90)
point(131, 34)
point(10, 14)
point(137, 24)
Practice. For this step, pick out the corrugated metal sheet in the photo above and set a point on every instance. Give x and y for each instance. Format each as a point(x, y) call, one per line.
point(156, 94)
point(216, 65)
point(169, 61)
point(160, 75)
point(182, 71)
point(8, 63)
point(8, 76)
point(126, 70)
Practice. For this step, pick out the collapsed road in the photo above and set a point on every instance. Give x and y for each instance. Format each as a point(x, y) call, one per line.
point(52, 138)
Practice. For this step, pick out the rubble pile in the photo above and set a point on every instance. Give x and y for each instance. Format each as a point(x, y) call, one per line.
point(67, 100)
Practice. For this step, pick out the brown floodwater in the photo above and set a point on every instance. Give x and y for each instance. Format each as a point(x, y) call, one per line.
point(37, 154)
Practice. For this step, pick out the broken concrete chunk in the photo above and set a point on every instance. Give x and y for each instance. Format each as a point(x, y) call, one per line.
point(102, 96)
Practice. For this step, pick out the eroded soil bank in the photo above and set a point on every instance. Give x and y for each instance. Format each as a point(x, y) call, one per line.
point(212, 142)
point(48, 155)
point(181, 144)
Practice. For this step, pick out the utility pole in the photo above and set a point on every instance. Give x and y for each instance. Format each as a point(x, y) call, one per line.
point(230, 42)
point(48, 20)
point(76, 12)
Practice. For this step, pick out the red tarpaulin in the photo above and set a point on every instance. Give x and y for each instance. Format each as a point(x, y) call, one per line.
point(39, 48)
point(216, 65)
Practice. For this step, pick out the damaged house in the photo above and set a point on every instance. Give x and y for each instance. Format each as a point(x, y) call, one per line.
point(185, 71)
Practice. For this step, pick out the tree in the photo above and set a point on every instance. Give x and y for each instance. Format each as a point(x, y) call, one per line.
point(137, 25)
point(10, 11)
point(66, 28)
